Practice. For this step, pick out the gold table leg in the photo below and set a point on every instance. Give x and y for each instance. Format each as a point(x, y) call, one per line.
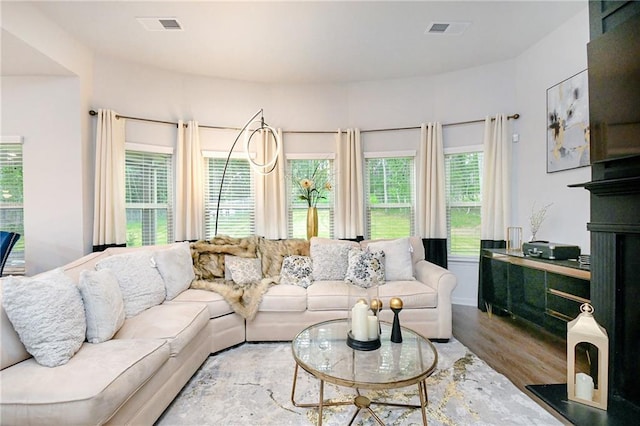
point(361, 402)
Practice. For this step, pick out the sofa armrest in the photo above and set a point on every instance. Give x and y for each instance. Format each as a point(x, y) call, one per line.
point(436, 277)
point(443, 282)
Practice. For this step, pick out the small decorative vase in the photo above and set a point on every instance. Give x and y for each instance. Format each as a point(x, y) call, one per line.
point(312, 222)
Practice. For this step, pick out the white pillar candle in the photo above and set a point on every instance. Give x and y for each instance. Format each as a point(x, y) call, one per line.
point(373, 327)
point(359, 326)
point(584, 386)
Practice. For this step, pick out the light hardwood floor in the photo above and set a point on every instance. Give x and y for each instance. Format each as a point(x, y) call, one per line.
point(524, 353)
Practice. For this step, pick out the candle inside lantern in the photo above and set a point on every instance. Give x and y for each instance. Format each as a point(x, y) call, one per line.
point(359, 322)
point(584, 386)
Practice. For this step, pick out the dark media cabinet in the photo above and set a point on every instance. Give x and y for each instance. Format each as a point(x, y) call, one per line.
point(547, 293)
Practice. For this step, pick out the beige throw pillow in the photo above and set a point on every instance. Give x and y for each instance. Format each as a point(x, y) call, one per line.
point(397, 265)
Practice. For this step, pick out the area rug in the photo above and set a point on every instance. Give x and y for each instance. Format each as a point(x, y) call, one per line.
point(251, 385)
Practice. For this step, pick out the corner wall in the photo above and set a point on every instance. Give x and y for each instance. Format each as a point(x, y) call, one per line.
point(553, 59)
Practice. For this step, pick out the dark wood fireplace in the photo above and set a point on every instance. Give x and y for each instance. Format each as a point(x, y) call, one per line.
point(614, 115)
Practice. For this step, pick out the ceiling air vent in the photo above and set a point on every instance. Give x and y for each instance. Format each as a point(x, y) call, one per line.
point(449, 28)
point(160, 24)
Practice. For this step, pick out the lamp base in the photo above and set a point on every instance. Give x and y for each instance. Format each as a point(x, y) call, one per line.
point(360, 345)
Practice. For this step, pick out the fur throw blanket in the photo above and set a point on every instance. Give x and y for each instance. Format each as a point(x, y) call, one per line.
point(208, 264)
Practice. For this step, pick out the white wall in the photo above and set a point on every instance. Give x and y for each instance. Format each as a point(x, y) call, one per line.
point(45, 111)
point(553, 59)
point(51, 114)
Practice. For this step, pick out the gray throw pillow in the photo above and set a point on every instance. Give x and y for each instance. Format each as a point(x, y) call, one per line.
point(296, 270)
point(103, 304)
point(330, 260)
point(140, 282)
point(243, 270)
point(366, 268)
point(176, 268)
point(47, 313)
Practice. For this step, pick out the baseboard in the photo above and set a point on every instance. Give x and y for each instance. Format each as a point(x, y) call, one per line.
point(464, 301)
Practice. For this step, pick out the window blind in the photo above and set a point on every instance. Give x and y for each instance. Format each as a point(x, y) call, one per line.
point(237, 202)
point(320, 171)
point(11, 202)
point(464, 200)
point(149, 198)
point(390, 203)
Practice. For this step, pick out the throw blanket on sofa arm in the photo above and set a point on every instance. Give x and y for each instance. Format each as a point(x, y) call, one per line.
point(208, 264)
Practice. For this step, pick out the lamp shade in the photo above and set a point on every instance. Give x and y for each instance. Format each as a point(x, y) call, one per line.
point(581, 387)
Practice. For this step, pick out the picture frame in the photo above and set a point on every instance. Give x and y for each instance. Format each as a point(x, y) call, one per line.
point(568, 124)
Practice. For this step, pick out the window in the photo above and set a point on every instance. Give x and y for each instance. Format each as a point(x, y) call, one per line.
point(237, 202)
point(390, 186)
point(11, 201)
point(299, 169)
point(464, 200)
point(149, 198)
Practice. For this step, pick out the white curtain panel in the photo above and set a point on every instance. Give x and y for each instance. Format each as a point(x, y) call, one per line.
point(496, 191)
point(349, 215)
point(109, 214)
point(189, 218)
point(431, 198)
point(271, 195)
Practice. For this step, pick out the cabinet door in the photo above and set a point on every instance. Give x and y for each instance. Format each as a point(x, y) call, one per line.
point(527, 287)
point(495, 287)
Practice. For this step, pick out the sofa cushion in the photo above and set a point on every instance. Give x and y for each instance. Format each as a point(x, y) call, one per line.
point(216, 305)
point(177, 323)
point(243, 270)
point(398, 262)
point(330, 295)
point(366, 268)
point(176, 268)
point(47, 313)
point(86, 390)
point(140, 282)
point(103, 304)
point(414, 294)
point(296, 270)
point(330, 258)
point(284, 298)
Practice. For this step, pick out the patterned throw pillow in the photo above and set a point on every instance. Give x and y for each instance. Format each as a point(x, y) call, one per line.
point(244, 270)
point(366, 268)
point(330, 260)
point(296, 270)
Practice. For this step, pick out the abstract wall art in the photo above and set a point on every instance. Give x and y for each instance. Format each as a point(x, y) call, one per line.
point(568, 124)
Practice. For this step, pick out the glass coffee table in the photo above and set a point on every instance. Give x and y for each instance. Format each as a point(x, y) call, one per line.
point(321, 350)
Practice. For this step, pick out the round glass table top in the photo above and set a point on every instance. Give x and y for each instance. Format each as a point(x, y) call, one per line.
point(322, 350)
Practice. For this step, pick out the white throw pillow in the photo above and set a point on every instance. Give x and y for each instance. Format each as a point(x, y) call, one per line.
point(47, 313)
point(296, 270)
point(244, 270)
point(397, 264)
point(103, 304)
point(140, 282)
point(330, 259)
point(176, 268)
point(366, 268)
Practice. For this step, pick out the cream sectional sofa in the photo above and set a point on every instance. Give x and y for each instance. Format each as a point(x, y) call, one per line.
point(132, 377)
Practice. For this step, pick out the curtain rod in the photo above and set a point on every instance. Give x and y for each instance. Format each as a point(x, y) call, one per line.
point(458, 123)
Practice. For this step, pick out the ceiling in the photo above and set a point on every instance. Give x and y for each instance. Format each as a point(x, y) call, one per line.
point(299, 42)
